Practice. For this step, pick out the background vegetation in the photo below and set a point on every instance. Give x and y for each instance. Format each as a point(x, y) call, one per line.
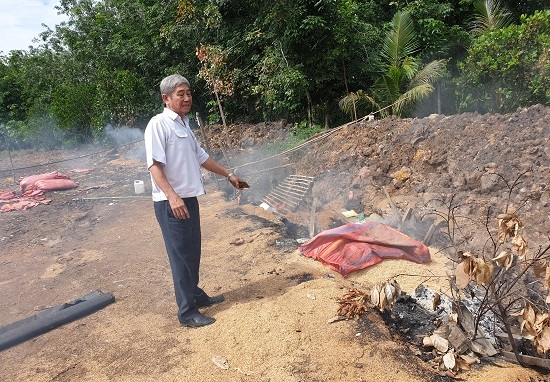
point(309, 62)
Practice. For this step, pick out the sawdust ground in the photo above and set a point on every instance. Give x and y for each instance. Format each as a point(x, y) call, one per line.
point(272, 326)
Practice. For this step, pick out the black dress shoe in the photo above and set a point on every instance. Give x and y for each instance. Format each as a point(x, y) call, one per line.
point(210, 301)
point(198, 320)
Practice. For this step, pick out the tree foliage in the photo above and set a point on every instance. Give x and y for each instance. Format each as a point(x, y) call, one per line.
point(283, 59)
point(509, 67)
point(404, 81)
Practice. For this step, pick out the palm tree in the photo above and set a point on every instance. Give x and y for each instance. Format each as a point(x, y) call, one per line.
point(403, 82)
point(491, 15)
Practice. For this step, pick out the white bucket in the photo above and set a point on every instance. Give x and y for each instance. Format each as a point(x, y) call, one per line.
point(139, 186)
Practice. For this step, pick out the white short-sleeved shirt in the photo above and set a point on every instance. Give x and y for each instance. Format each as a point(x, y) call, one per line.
point(170, 141)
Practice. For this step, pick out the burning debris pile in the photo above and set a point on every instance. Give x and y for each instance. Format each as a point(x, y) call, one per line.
point(498, 287)
point(496, 305)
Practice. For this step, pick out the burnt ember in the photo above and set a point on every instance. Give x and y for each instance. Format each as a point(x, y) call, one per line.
point(293, 230)
point(409, 321)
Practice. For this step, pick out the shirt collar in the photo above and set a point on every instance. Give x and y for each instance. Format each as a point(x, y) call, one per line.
point(179, 126)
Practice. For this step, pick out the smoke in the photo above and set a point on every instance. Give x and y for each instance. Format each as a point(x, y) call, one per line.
point(131, 137)
point(256, 158)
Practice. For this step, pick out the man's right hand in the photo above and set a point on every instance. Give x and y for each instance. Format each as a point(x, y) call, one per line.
point(179, 209)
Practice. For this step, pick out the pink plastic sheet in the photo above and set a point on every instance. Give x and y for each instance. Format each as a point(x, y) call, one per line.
point(357, 246)
point(29, 182)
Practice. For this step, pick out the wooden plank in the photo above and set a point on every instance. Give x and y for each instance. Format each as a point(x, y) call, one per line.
point(282, 197)
point(294, 186)
point(430, 233)
point(278, 200)
point(291, 191)
point(300, 185)
point(393, 206)
point(299, 181)
point(407, 214)
point(312, 218)
point(527, 359)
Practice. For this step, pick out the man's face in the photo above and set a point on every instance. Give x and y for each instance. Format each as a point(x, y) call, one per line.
point(180, 100)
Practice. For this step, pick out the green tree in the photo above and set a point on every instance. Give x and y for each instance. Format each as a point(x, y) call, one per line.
point(508, 68)
point(404, 81)
point(490, 15)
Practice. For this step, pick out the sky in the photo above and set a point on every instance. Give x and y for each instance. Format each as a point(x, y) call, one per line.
point(21, 21)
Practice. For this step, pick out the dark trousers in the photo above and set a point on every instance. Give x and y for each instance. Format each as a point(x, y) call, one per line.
point(182, 238)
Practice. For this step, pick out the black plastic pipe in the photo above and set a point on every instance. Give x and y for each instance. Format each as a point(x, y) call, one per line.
point(27, 328)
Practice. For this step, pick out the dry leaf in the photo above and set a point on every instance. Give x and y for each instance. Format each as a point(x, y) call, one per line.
point(542, 342)
point(353, 304)
point(519, 245)
point(462, 365)
point(393, 291)
point(508, 226)
point(504, 259)
point(467, 259)
point(526, 319)
point(384, 295)
point(383, 304)
point(375, 295)
point(427, 342)
point(462, 277)
point(484, 271)
point(220, 362)
point(440, 343)
point(453, 317)
point(449, 360)
point(389, 290)
point(470, 359)
point(541, 321)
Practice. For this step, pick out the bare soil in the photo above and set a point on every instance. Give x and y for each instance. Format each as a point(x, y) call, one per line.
point(273, 325)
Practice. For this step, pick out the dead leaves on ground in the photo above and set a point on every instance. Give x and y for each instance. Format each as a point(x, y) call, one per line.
point(355, 302)
point(453, 353)
point(451, 364)
point(384, 295)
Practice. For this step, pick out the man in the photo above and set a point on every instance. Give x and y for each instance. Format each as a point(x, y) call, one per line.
point(174, 158)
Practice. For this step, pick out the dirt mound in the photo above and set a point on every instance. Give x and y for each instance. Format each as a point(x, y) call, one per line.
point(476, 165)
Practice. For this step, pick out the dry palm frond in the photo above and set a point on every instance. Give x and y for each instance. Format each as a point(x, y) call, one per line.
point(353, 303)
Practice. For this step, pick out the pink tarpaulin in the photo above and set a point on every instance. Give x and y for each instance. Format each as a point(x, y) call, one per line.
point(357, 246)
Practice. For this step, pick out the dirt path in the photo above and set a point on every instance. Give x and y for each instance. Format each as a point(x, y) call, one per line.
point(272, 326)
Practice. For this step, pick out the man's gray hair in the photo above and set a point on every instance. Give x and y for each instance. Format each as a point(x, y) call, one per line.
point(170, 83)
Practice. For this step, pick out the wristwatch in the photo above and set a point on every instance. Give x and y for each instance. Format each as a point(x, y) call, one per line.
point(229, 175)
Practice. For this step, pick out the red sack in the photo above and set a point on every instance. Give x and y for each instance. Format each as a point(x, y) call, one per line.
point(55, 184)
point(356, 246)
point(28, 182)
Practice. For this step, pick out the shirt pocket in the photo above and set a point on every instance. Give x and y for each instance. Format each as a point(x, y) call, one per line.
point(178, 143)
